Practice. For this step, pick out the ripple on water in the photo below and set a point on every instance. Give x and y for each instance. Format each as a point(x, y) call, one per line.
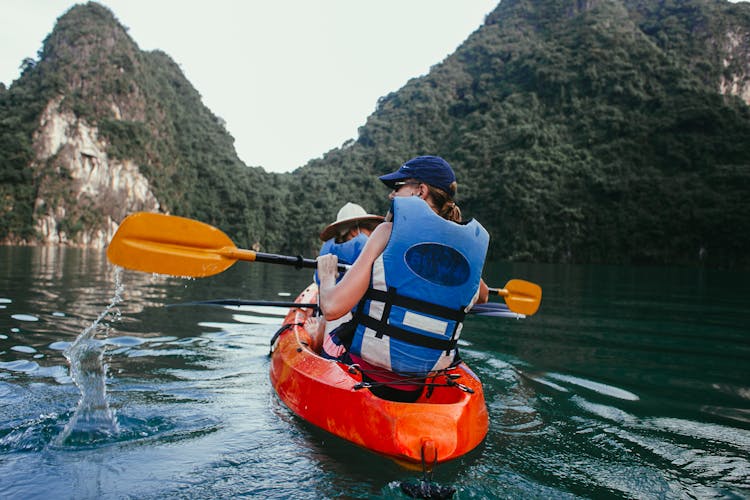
point(160, 352)
point(45, 430)
point(541, 380)
point(190, 340)
point(605, 411)
point(59, 346)
point(32, 368)
point(133, 429)
point(709, 452)
point(9, 393)
point(125, 341)
point(604, 389)
point(707, 432)
point(519, 419)
point(30, 435)
point(265, 310)
point(687, 455)
point(258, 320)
point(23, 348)
point(737, 414)
point(24, 317)
point(19, 365)
point(167, 338)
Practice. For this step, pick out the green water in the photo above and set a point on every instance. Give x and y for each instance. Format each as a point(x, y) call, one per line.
point(628, 383)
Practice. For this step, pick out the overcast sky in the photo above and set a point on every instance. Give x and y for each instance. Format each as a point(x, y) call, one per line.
point(291, 78)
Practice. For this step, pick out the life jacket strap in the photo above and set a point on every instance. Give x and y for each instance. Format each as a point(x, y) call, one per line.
point(407, 336)
point(392, 298)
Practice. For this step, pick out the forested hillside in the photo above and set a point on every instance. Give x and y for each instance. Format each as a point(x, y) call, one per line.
point(581, 131)
point(145, 110)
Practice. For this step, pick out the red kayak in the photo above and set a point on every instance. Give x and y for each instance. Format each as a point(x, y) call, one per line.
point(447, 421)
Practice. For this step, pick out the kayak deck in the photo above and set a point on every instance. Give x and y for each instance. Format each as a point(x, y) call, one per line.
point(443, 424)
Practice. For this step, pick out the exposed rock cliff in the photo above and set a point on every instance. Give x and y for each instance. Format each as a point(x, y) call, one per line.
point(735, 80)
point(97, 129)
point(67, 148)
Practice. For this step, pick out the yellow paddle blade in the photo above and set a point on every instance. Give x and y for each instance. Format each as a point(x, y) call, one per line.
point(167, 244)
point(522, 296)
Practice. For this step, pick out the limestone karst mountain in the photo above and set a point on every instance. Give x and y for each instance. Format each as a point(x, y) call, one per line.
point(581, 131)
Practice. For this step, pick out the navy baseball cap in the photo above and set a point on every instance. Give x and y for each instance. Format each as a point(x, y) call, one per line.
point(431, 170)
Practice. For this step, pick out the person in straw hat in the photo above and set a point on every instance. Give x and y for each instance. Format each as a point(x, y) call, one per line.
point(345, 238)
point(351, 222)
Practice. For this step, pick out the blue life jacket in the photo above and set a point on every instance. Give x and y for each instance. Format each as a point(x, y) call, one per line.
point(427, 277)
point(347, 252)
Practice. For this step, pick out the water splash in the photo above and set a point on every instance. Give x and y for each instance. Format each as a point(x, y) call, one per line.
point(93, 419)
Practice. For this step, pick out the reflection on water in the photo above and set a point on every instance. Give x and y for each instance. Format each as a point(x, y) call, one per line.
point(628, 383)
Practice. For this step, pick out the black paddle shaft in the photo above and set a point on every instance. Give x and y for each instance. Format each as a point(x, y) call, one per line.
point(289, 260)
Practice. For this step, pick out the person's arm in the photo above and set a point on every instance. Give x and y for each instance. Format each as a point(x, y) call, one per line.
point(315, 326)
point(338, 299)
point(484, 293)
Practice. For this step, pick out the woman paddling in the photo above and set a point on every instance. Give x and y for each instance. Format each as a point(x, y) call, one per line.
point(418, 274)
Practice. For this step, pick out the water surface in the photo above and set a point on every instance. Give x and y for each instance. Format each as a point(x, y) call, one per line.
point(629, 382)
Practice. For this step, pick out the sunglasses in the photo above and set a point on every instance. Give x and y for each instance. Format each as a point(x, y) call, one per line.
point(399, 184)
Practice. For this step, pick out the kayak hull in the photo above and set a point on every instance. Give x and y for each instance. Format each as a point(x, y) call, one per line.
point(443, 424)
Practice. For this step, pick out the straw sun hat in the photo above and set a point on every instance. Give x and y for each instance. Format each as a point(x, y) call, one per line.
point(348, 215)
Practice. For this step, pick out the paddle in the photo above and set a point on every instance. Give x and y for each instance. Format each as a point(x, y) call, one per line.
point(492, 309)
point(521, 296)
point(242, 302)
point(167, 244)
